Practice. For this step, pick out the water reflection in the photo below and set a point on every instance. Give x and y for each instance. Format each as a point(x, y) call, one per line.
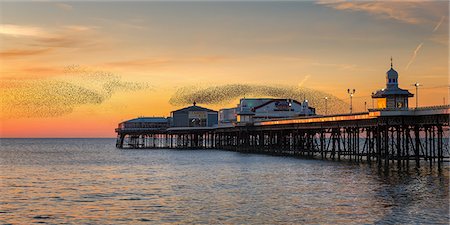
point(416, 195)
point(89, 181)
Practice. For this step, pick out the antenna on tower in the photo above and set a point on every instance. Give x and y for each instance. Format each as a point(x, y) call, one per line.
point(391, 62)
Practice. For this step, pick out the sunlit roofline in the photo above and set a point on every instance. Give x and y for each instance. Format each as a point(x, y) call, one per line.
point(318, 119)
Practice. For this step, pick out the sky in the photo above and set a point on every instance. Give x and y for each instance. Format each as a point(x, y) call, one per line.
point(77, 69)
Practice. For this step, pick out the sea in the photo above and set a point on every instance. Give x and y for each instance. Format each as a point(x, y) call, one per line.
point(90, 181)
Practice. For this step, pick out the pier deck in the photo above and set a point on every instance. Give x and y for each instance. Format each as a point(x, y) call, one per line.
point(381, 137)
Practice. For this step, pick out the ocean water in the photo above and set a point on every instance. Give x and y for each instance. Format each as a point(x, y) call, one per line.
point(89, 181)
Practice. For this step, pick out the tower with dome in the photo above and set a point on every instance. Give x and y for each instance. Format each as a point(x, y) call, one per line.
point(392, 97)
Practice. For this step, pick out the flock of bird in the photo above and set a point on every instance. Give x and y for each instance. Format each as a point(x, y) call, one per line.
point(229, 93)
point(59, 95)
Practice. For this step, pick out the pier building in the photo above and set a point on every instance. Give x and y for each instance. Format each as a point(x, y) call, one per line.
point(392, 97)
point(227, 116)
point(250, 110)
point(144, 124)
point(194, 116)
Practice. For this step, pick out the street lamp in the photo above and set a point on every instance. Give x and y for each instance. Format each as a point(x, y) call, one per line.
point(417, 93)
point(326, 105)
point(351, 93)
point(373, 106)
point(365, 106)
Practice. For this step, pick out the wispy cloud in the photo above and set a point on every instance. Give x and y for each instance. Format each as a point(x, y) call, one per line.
point(270, 38)
point(41, 71)
point(132, 23)
point(413, 57)
point(163, 61)
point(412, 12)
point(139, 62)
point(64, 6)
point(64, 36)
point(64, 41)
point(13, 53)
point(79, 28)
point(440, 38)
point(20, 30)
point(341, 66)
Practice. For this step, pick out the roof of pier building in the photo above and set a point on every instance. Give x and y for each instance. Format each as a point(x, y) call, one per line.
point(147, 120)
point(249, 106)
point(144, 123)
point(383, 93)
point(392, 88)
point(276, 100)
point(193, 107)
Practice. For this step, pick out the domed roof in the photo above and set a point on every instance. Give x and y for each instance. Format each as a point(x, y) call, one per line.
point(392, 73)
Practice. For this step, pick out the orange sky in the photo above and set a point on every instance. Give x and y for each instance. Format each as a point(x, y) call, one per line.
point(76, 69)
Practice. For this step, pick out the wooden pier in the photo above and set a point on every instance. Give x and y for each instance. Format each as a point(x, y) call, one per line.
point(382, 137)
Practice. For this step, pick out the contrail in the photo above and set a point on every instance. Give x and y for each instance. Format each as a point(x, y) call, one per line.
point(439, 24)
point(304, 80)
point(414, 55)
point(420, 45)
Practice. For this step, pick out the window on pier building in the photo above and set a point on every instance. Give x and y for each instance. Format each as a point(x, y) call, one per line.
point(244, 118)
point(381, 103)
point(197, 118)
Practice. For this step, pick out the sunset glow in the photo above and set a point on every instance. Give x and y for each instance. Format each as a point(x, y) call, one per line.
point(77, 69)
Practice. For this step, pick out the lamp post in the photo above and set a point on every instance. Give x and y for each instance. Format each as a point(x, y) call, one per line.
point(351, 93)
point(365, 106)
point(417, 93)
point(326, 105)
point(373, 106)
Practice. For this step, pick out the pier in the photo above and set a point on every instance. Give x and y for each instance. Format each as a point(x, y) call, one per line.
point(383, 137)
point(392, 133)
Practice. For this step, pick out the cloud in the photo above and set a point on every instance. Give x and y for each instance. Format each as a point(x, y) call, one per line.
point(64, 41)
point(412, 12)
point(57, 96)
point(79, 28)
point(163, 61)
point(140, 62)
point(69, 36)
point(440, 38)
point(413, 57)
point(14, 53)
point(40, 71)
point(64, 6)
point(19, 30)
point(226, 94)
point(132, 23)
point(336, 65)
